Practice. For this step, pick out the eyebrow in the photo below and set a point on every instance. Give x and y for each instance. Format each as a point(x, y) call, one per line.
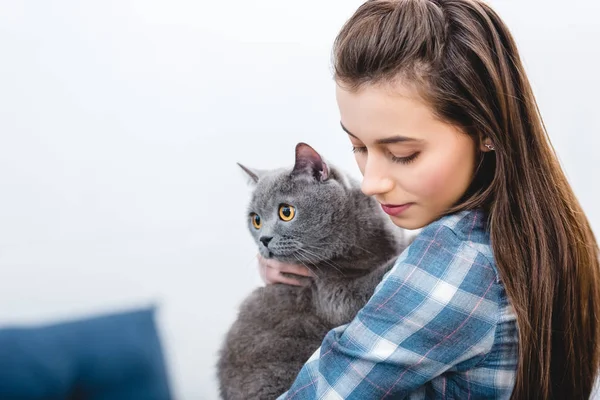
point(388, 140)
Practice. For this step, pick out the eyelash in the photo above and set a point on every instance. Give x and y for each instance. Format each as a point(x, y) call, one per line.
point(401, 160)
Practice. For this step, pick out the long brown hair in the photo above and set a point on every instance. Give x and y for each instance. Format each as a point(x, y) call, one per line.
point(464, 61)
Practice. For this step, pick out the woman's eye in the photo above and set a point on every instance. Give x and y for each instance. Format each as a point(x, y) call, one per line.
point(287, 212)
point(405, 160)
point(357, 149)
point(256, 221)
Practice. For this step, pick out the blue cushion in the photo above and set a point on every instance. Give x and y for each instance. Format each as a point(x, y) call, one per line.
point(111, 357)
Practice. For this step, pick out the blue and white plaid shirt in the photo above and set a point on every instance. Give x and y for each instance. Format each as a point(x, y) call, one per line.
point(439, 326)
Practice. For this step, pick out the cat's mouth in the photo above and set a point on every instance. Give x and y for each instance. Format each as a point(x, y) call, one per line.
point(278, 256)
point(266, 253)
point(278, 253)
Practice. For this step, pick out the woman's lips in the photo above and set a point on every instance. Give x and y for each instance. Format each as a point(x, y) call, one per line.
point(395, 210)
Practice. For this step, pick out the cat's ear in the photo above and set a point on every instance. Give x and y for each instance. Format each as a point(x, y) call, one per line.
point(252, 174)
point(309, 162)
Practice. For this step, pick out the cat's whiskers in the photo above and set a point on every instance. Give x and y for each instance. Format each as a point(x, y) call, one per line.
point(330, 263)
point(313, 247)
point(300, 261)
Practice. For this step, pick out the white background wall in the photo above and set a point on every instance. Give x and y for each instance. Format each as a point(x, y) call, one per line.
point(121, 122)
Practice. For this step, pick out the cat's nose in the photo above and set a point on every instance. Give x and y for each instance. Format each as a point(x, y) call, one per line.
point(265, 240)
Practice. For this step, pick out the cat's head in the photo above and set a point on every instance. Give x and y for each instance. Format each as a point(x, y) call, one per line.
point(305, 214)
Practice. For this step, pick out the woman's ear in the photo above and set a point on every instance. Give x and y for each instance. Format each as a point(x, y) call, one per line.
point(486, 145)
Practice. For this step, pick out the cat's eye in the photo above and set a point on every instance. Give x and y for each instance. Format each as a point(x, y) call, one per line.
point(286, 212)
point(256, 221)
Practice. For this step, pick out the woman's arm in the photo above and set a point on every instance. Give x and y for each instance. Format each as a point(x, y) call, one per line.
point(437, 307)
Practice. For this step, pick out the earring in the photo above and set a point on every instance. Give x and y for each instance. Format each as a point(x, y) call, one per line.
point(490, 147)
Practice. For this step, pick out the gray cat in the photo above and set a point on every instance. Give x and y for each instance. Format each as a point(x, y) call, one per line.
point(314, 215)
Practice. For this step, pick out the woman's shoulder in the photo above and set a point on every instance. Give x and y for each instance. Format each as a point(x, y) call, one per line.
point(453, 245)
point(468, 225)
point(464, 229)
point(455, 250)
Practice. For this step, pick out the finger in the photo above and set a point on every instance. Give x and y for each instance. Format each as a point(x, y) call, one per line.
point(274, 276)
point(295, 269)
point(288, 281)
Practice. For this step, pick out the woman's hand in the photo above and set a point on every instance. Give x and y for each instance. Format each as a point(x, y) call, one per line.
point(273, 271)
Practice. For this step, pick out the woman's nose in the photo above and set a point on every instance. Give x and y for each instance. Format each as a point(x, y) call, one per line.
point(376, 179)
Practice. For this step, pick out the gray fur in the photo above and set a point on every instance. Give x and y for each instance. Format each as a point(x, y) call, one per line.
point(339, 233)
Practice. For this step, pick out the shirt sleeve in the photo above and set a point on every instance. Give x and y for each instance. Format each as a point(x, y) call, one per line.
point(437, 307)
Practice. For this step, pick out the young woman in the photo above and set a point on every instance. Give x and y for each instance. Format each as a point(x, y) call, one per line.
point(498, 295)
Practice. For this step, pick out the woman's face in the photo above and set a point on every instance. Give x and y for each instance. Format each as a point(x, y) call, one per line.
point(416, 166)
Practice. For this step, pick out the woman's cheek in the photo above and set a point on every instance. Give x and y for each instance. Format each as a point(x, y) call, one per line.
point(442, 177)
point(427, 182)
